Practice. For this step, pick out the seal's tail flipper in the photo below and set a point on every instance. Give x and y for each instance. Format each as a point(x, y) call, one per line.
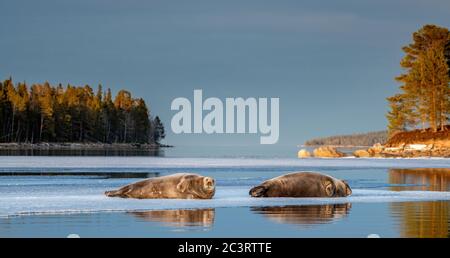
point(258, 191)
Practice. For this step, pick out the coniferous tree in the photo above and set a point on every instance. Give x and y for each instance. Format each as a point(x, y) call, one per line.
point(12, 99)
point(158, 131)
point(396, 116)
point(2, 107)
point(73, 114)
point(426, 96)
point(141, 126)
point(123, 104)
point(109, 118)
point(22, 99)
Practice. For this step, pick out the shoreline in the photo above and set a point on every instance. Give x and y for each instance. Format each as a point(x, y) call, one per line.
point(380, 151)
point(81, 146)
point(334, 146)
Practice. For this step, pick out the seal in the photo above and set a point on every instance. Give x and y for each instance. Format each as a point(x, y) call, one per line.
point(302, 184)
point(179, 218)
point(175, 186)
point(305, 214)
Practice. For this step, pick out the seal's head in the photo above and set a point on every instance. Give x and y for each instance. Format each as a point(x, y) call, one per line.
point(202, 187)
point(342, 188)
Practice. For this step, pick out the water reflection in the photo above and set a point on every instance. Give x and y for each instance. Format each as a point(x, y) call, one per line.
point(85, 152)
point(305, 214)
point(422, 219)
point(81, 175)
point(421, 179)
point(179, 218)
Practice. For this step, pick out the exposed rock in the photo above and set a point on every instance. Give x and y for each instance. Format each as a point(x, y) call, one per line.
point(419, 143)
point(378, 146)
point(376, 150)
point(303, 154)
point(361, 154)
point(327, 152)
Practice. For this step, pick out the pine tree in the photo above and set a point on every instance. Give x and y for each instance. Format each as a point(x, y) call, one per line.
point(401, 115)
point(2, 111)
point(72, 114)
point(123, 103)
point(142, 126)
point(97, 105)
point(46, 106)
point(22, 99)
point(158, 132)
point(1, 105)
point(109, 117)
point(13, 101)
point(425, 85)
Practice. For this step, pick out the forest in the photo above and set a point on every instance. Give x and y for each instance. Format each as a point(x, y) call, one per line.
point(46, 113)
point(360, 139)
point(424, 98)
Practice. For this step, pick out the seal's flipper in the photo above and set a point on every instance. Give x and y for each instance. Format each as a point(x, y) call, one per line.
point(111, 193)
point(114, 193)
point(330, 188)
point(122, 192)
point(258, 191)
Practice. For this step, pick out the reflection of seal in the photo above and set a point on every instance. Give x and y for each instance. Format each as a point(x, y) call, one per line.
point(302, 184)
point(305, 214)
point(179, 218)
point(176, 186)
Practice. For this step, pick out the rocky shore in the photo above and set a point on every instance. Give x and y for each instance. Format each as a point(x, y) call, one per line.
point(410, 144)
point(405, 151)
point(321, 152)
point(383, 151)
point(80, 146)
point(418, 143)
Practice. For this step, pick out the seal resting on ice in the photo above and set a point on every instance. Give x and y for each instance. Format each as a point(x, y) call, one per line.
point(302, 184)
point(175, 186)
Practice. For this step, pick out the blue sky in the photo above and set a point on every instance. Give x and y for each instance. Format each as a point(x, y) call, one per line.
point(331, 63)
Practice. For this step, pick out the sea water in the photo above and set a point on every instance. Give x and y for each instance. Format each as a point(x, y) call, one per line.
point(62, 195)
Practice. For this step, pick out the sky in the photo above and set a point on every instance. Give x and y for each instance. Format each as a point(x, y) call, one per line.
point(331, 63)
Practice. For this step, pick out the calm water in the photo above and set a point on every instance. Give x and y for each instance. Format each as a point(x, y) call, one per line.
point(404, 219)
point(54, 196)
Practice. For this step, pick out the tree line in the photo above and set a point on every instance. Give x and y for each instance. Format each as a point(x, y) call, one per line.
point(360, 139)
point(45, 113)
point(424, 101)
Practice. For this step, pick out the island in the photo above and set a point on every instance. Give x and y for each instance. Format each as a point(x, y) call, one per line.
point(42, 116)
point(418, 115)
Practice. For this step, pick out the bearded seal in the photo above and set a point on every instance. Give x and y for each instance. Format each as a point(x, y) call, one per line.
point(179, 218)
point(175, 186)
point(305, 214)
point(302, 184)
